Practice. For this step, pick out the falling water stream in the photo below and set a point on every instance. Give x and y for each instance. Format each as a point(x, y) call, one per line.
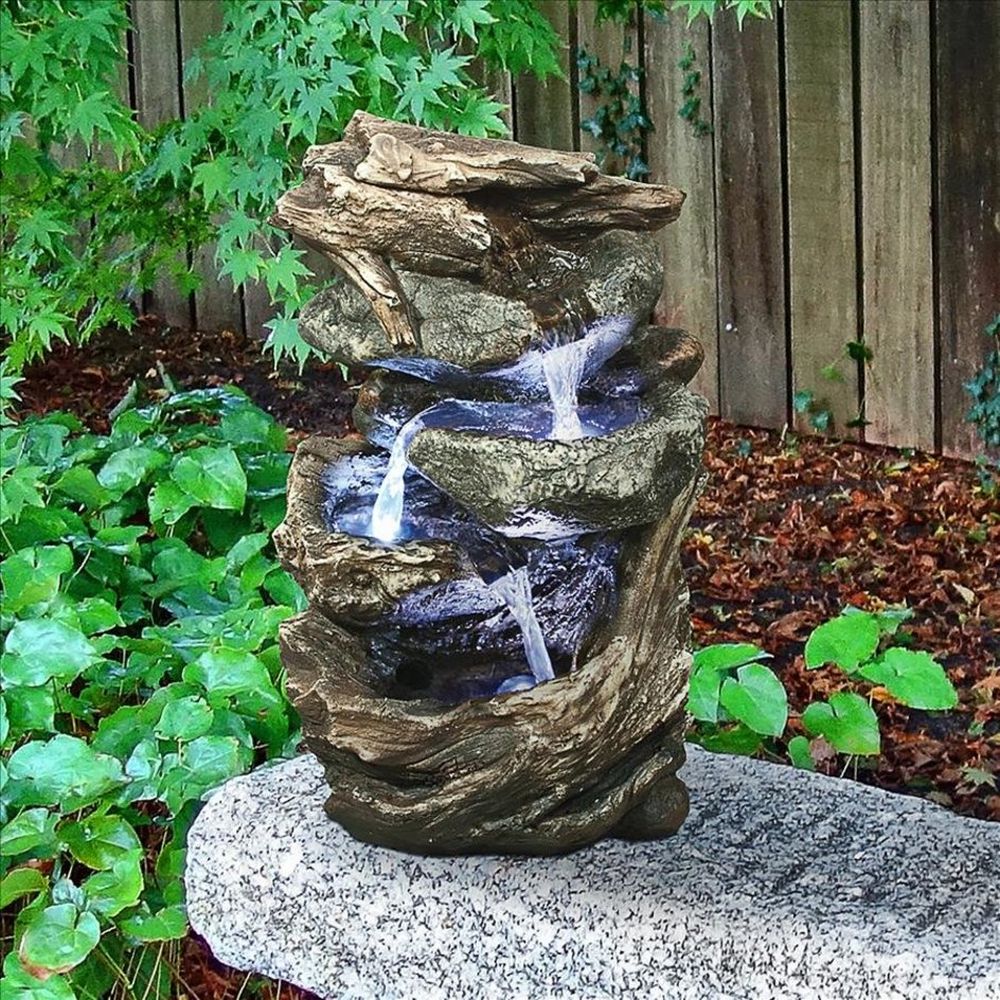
point(515, 589)
point(387, 513)
point(563, 369)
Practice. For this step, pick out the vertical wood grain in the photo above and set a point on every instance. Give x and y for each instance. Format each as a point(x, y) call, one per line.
point(612, 43)
point(895, 66)
point(749, 222)
point(677, 156)
point(216, 302)
point(823, 291)
point(968, 201)
point(158, 99)
point(544, 110)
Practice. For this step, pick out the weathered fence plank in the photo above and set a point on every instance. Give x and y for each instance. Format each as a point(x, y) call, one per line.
point(612, 43)
point(158, 99)
point(678, 156)
point(749, 223)
point(896, 221)
point(544, 111)
point(216, 301)
point(968, 202)
point(822, 263)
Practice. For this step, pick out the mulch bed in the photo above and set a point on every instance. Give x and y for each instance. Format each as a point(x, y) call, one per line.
point(788, 531)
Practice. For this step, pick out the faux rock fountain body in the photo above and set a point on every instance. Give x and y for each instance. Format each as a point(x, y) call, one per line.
point(493, 659)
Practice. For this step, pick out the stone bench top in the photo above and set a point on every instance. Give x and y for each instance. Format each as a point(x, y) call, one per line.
point(781, 884)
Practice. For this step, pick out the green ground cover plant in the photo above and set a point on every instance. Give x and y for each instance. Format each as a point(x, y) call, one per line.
point(740, 705)
point(140, 669)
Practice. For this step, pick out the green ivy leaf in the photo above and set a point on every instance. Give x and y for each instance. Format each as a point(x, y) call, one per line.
point(127, 468)
point(59, 938)
point(848, 641)
point(914, 678)
point(847, 722)
point(64, 770)
point(21, 882)
point(225, 672)
point(32, 576)
point(757, 699)
point(800, 754)
point(42, 649)
point(169, 924)
point(119, 888)
point(101, 841)
point(185, 719)
point(32, 831)
point(19, 985)
point(213, 476)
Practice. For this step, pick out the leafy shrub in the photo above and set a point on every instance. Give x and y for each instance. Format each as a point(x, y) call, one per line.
point(740, 704)
point(140, 669)
point(281, 75)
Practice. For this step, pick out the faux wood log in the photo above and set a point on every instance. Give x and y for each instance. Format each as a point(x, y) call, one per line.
point(604, 203)
point(423, 232)
point(513, 162)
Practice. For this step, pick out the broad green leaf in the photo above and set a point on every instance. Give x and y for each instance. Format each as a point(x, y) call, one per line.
point(185, 719)
point(80, 484)
point(704, 686)
point(727, 655)
point(20, 882)
point(64, 770)
point(168, 502)
point(169, 924)
point(32, 576)
point(848, 641)
point(757, 699)
point(227, 672)
point(847, 722)
point(32, 831)
point(31, 709)
point(914, 678)
point(59, 938)
point(43, 649)
point(249, 425)
point(213, 476)
point(738, 739)
point(800, 754)
point(127, 468)
point(100, 841)
point(19, 985)
point(98, 615)
point(120, 887)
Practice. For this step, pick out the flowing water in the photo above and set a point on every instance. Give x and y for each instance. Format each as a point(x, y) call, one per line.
point(563, 370)
point(515, 589)
point(387, 513)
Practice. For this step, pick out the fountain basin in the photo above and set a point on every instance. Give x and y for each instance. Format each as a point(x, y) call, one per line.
point(550, 489)
point(350, 577)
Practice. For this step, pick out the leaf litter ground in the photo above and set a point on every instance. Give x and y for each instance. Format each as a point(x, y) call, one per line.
point(787, 532)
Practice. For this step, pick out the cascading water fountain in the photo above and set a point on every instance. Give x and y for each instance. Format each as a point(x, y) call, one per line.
point(493, 658)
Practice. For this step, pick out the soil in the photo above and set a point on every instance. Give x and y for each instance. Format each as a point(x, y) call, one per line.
point(788, 531)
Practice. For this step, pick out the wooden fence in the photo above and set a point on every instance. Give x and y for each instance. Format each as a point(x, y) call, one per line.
point(849, 190)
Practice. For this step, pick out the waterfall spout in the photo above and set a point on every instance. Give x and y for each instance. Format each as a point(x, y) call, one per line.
point(515, 589)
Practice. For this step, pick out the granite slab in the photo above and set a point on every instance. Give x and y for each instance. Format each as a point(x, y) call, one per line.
point(781, 884)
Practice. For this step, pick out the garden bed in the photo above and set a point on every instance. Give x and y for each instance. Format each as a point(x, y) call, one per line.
point(788, 532)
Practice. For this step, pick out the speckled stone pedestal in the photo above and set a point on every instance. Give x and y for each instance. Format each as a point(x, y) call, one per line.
point(781, 884)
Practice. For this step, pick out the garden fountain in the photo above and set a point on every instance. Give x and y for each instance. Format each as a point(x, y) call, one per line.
point(493, 657)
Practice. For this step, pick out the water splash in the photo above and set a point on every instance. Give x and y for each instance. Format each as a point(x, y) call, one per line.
point(563, 369)
point(515, 589)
